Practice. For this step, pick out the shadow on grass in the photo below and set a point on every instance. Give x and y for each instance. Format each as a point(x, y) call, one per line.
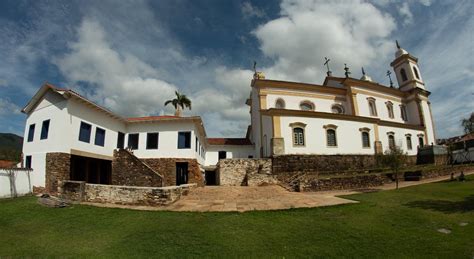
point(466, 205)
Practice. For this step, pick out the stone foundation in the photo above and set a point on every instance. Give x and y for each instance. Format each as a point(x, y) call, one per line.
point(167, 168)
point(128, 170)
point(342, 183)
point(58, 167)
point(245, 172)
point(80, 191)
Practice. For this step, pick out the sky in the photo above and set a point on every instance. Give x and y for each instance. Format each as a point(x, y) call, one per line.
point(131, 56)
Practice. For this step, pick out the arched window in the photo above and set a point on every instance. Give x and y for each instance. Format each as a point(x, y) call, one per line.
point(307, 106)
point(403, 74)
point(337, 108)
point(403, 112)
point(416, 72)
point(409, 145)
point(390, 109)
point(365, 137)
point(372, 107)
point(420, 140)
point(298, 136)
point(331, 139)
point(280, 104)
point(391, 140)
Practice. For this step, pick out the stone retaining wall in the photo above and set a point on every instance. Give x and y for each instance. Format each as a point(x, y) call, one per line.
point(342, 183)
point(80, 191)
point(58, 166)
point(127, 169)
point(245, 172)
point(167, 168)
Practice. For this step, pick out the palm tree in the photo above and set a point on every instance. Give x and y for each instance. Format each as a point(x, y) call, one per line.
point(179, 103)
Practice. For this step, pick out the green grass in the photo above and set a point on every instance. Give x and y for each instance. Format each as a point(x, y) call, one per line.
point(398, 224)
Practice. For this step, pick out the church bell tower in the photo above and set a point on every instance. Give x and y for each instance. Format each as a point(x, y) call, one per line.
point(406, 69)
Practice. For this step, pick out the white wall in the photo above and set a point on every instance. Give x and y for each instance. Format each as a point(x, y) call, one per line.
point(255, 120)
point(349, 138)
point(380, 103)
point(232, 151)
point(400, 138)
point(22, 183)
point(321, 104)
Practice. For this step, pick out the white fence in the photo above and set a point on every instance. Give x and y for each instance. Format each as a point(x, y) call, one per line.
point(14, 182)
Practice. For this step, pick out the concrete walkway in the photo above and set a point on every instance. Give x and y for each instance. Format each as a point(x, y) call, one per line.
point(246, 198)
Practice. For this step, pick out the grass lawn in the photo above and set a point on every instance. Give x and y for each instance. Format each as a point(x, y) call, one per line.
point(401, 223)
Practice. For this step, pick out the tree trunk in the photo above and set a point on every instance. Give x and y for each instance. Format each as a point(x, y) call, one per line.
point(178, 112)
point(396, 179)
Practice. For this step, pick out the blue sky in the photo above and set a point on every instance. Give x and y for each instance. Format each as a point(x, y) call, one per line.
point(131, 56)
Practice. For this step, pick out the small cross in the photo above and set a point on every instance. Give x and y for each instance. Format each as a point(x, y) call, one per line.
point(347, 73)
point(255, 66)
point(363, 71)
point(327, 65)
point(389, 77)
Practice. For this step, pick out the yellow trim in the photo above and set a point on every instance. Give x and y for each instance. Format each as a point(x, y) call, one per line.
point(300, 94)
point(91, 155)
point(355, 105)
point(298, 86)
point(276, 127)
point(263, 101)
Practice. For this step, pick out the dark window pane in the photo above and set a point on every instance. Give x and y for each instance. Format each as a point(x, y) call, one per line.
point(331, 135)
point(133, 141)
point(184, 140)
point(409, 143)
point(222, 155)
point(45, 129)
point(391, 141)
point(99, 137)
point(365, 139)
point(152, 141)
point(120, 140)
point(420, 141)
point(298, 137)
point(85, 132)
point(28, 162)
point(196, 147)
point(31, 132)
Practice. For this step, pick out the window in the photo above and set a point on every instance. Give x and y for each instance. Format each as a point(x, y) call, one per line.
point(184, 140)
point(85, 132)
point(120, 140)
point(152, 140)
point(365, 139)
point(280, 104)
point(391, 141)
point(298, 137)
point(45, 129)
point(403, 112)
point(420, 141)
point(337, 108)
point(403, 74)
point(390, 109)
point(31, 132)
point(28, 162)
point(133, 141)
point(196, 145)
point(372, 107)
point(409, 146)
point(416, 72)
point(306, 106)
point(222, 155)
point(331, 138)
point(99, 137)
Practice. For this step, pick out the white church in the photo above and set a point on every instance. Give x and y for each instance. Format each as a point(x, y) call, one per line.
point(68, 137)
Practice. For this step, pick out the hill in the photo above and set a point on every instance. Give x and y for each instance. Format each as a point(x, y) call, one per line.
point(10, 146)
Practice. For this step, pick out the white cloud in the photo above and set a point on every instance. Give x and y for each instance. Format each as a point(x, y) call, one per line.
point(8, 108)
point(404, 10)
point(355, 32)
point(248, 10)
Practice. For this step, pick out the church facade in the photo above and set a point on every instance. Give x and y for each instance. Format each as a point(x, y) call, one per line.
point(343, 115)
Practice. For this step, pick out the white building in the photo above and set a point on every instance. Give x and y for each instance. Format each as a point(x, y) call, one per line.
point(68, 137)
point(343, 115)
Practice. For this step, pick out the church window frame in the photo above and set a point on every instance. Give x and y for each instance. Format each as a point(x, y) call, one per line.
point(417, 75)
point(331, 135)
point(409, 142)
point(298, 131)
point(403, 112)
point(307, 106)
point(421, 140)
point(280, 103)
point(403, 74)
point(372, 106)
point(365, 137)
point(337, 108)
point(391, 140)
point(390, 109)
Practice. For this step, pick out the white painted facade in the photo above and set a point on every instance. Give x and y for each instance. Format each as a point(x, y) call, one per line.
point(232, 151)
point(403, 112)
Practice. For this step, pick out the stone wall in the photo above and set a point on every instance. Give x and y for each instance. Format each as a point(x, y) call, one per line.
point(308, 163)
point(127, 169)
point(58, 167)
point(342, 183)
point(80, 191)
point(245, 172)
point(167, 168)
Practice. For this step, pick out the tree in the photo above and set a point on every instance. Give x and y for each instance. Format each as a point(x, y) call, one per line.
point(179, 103)
point(394, 158)
point(468, 124)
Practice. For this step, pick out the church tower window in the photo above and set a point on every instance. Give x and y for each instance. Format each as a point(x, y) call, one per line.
point(403, 73)
point(416, 72)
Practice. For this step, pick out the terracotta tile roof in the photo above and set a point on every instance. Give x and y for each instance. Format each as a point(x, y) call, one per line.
point(161, 117)
point(229, 141)
point(7, 164)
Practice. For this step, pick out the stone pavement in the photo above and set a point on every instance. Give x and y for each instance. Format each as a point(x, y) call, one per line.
point(248, 198)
